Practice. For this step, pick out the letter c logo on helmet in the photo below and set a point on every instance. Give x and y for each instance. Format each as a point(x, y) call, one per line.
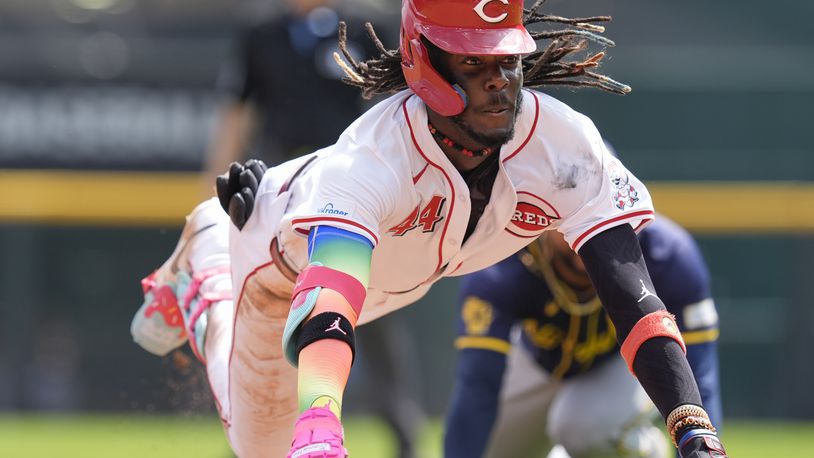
point(456, 27)
point(479, 8)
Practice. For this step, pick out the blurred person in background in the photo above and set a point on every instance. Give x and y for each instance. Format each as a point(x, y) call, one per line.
point(282, 97)
point(282, 91)
point(539, 365)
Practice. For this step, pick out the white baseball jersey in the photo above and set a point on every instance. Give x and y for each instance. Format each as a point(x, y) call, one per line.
point(388, 180)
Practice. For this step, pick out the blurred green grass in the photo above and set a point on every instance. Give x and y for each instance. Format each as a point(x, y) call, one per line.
point(141, 436)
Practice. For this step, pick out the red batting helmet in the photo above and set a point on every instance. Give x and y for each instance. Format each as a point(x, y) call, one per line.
point(470, 27)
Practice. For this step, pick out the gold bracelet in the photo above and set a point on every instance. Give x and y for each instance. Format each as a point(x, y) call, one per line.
point(682, 411)
point(701, 422)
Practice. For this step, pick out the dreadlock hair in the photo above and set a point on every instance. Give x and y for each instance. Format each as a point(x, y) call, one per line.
point(551, 66)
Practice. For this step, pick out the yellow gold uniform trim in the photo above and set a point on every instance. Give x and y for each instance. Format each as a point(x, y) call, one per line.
point(483, 343)
point(98, 198)
point(159, 199)
point(697, 337)
point(715, 207)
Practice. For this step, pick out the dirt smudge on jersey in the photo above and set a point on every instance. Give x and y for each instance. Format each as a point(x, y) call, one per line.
point(567, 176)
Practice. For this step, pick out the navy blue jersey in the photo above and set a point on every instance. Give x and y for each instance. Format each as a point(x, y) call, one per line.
point(569, 337)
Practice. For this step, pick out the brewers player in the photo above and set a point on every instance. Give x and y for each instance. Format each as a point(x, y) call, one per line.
point(459, 169)
point(565, 377)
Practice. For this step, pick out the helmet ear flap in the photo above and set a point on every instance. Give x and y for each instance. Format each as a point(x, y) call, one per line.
point(425, 81)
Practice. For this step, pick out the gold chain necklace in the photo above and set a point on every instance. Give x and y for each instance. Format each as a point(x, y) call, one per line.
point(564, 296)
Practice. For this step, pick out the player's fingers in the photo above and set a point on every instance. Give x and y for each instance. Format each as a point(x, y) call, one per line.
point(234, 177)
point(247, 180)
point(251, 162)
point(222, 188)
point(248, 198)
point(257, 167)
point(237, 210)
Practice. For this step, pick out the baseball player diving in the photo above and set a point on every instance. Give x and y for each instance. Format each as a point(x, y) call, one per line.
point(461, 167)
point(562, 380)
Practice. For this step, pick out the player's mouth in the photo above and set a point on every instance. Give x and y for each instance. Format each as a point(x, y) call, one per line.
point(496, 110)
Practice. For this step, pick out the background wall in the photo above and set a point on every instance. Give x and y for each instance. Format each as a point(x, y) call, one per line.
point(106, 107)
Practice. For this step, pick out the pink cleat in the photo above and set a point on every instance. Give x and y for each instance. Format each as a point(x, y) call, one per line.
point(318, 434)
point(178, 294)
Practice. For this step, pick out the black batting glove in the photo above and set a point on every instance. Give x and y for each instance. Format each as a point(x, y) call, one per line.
point(237, 189)
point(701, 443)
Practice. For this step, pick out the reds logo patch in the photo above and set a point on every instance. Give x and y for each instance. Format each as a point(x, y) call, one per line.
point(480, 8)
point(532, 216)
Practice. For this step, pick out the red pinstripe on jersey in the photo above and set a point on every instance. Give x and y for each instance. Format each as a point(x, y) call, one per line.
point(533, 128)
point(451, 187)
point(327, 220)
point(226, 419)
point(420, 174)
point(596, 228)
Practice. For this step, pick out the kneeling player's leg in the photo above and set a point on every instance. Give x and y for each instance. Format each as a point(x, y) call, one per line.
point(524, 401)
point(606, 413)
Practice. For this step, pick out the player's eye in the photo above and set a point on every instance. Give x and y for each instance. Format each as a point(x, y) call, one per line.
point(471, 60)
point(511, 60)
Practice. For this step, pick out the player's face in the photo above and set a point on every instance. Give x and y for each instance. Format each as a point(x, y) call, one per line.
point(492, 85)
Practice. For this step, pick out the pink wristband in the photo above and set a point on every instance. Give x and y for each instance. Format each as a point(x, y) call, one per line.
point(348, 286)
point(656, 324)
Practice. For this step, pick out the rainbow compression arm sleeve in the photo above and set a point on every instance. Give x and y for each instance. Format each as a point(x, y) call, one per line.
point(335, 253)
point(324, 365)
point(341, 250)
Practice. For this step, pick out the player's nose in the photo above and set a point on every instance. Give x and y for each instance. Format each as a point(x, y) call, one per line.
point(496, 79)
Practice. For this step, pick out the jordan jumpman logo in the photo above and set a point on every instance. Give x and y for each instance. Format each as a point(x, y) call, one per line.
point(645, 292)
point(335, 326)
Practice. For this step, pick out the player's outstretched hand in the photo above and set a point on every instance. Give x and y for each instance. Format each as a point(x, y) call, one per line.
point(237, 189)
point(701, 443)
